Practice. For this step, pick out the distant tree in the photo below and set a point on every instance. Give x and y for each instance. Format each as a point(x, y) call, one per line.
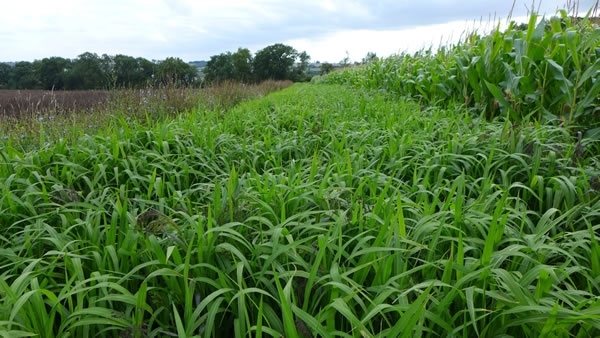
point(521, 27)
point(300, 72)
point(90, 71)
point(53, 72)
point(128, 73)
point(5, 74)
point(275, 62)
point(346, 60)
point(146, 71)
point(219, 68)
point(228, 66)
point(176, 71)
point(326, 68)
point(87, 73)
point(25, 75)
point(370, 57)
point(107, 66)
point(242, 65)
point(123, 71)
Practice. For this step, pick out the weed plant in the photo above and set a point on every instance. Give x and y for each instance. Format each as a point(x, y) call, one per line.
point(317, 211)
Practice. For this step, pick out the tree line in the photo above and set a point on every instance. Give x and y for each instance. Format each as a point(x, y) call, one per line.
point(91, 71)
point(274, 62)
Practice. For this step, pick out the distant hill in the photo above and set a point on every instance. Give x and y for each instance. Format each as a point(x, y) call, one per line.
point(199, 65)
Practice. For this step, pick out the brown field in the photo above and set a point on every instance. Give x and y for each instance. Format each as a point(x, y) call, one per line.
point(25, 103)
point(34, 117)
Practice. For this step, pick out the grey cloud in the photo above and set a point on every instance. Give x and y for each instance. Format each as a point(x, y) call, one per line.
point(281, 21)
point(185, 28)
point(292, 20)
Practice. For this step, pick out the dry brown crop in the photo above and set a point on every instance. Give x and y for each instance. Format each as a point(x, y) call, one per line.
point(26, 103)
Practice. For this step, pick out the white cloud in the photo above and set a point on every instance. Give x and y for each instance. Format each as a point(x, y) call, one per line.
point(192, 30)
point(333, 47)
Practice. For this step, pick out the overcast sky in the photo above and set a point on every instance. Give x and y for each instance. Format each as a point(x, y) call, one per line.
point(196, 29)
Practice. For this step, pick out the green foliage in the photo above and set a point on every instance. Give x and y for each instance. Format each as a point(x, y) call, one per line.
point(370, 57)
point(177, 72)
point(87, 72)
point(326, 68)
point(242, 64)
point(547, 71)
point(229, 67)
point(276, 62)
point(300, 72)
point(130, 72)
point(5, 73)
point(91, 71)
point(219, 68)
point(316, 211)
point(52, 72)
point(24, 75)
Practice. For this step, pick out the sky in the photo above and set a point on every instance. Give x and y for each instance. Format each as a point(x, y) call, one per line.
point(192, 30)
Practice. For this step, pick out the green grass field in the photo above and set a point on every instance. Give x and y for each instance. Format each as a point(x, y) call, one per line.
point(319, 210)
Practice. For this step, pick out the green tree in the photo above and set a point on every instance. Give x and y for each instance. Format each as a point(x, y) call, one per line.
point(346, 60)
point(242, 65)
point(146, 71)
point(123, 70)
point(370, 57)
point(87, 73)
point(300, 72)
point(228, 66)
point(53, 71)
point(219, 68)
point(107, 67)
point(25, 75)
point(5, 74)
point(275, 62)
point(326, 68)
point(176, 71)
point(130, 72)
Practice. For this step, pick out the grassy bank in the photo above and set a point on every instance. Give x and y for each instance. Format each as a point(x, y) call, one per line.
point(320, 210)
